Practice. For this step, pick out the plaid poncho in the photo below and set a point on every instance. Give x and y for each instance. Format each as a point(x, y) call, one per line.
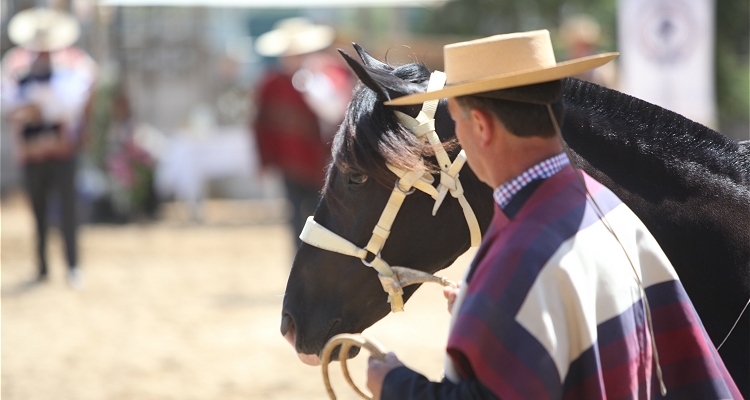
point(551, 308)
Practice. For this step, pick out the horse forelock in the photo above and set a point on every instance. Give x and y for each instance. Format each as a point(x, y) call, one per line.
point(371, 136)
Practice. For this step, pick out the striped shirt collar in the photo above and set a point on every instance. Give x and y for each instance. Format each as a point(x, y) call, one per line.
point(543, 170)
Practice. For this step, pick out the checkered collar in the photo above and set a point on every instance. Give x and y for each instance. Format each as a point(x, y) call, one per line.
point(543, 170)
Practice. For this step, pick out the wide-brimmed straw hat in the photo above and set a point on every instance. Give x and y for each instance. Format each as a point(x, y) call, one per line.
point(294, 36)
point(43, 29)
point(502, 62)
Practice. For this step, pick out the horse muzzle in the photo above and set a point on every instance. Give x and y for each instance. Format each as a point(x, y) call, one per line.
point(289, 331)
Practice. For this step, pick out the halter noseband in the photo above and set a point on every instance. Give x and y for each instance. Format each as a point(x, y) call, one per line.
point(395, 278)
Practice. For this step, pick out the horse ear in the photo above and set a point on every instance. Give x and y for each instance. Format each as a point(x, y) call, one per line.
point(385, 85)
point(364, 75)
point(369, 60)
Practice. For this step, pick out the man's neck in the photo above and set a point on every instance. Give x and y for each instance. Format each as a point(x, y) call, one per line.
point(518, 154)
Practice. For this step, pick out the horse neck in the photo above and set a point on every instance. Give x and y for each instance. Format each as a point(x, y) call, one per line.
point(619, 138)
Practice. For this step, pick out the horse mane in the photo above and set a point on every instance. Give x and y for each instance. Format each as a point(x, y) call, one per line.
point(371, 136)
point(657, 141)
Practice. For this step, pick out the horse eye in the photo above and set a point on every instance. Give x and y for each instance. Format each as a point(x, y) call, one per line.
point(357, 179)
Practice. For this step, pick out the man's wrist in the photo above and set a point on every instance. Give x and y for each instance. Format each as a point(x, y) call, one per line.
point(395, 381)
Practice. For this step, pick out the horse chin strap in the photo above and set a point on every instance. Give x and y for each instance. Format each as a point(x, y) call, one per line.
point(394, 279)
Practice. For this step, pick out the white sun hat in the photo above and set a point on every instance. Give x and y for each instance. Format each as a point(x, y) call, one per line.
point(294, 36)
point(502, 62)
point(43, 29)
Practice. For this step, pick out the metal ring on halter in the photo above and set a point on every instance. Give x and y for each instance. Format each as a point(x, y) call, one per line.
point(369, 264)
point(399, 189)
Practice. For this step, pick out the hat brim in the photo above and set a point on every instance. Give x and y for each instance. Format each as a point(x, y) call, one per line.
point(520, 78)
point(278, 43)
point(62, 29)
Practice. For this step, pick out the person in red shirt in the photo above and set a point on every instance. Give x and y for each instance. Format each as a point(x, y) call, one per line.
point(300, 104)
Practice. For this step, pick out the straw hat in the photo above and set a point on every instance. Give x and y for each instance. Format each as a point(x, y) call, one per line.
point(294, 36)
point(501, 62)
point(43, 29)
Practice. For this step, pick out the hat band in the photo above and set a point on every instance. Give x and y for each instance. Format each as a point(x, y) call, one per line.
point(539, 93)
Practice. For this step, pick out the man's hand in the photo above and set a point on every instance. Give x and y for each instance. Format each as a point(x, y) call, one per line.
point(377, 370)
point(451, 294)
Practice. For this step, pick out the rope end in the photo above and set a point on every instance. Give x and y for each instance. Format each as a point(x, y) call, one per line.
point(397, 303)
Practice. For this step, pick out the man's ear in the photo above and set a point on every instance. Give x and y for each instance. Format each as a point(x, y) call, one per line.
point(483, 126)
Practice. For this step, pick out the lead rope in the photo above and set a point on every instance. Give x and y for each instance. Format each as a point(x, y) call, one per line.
point(735, 325)
point(662, 387)
point(347, 341)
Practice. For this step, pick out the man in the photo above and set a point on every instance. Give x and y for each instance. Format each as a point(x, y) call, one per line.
point(46, 90)
point(569, 289)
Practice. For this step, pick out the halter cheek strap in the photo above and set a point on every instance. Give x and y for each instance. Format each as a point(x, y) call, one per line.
point(393, 279)
point(423, 127)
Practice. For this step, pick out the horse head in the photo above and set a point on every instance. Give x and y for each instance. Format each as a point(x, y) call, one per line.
point(330, 293)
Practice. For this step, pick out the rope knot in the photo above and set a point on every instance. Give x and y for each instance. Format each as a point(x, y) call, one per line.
point(446, 180)
point(424, 128)
point(392, 286)
point(459, 191)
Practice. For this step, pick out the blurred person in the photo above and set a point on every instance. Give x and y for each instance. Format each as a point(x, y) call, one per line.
point(46, 90)
point(301, 103)
point(581, 37)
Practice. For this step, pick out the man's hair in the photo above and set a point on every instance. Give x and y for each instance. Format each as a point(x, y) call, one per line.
point(522, 110)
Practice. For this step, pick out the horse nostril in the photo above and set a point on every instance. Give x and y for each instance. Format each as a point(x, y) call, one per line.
point(287, 324)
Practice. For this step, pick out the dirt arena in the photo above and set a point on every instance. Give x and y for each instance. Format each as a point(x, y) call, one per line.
point(176, 310)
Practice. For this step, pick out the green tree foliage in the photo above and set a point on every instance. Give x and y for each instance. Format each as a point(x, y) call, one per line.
point(733, 59)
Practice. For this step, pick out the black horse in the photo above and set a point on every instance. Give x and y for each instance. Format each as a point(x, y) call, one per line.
point(688, 184)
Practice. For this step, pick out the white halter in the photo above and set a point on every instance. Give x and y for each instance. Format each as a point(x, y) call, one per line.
point(395, 278)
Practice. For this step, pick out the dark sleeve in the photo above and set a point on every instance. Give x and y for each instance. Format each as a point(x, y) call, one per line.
point(404, 384)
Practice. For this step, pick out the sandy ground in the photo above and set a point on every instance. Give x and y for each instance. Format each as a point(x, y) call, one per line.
point(176, 310)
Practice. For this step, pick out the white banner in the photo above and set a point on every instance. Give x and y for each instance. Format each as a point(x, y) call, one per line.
point(667, 55)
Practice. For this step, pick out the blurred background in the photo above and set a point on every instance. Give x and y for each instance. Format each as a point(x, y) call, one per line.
point(187, 69)
point(168, 282)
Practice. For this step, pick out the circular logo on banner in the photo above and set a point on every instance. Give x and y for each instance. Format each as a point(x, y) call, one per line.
point(669, 31)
